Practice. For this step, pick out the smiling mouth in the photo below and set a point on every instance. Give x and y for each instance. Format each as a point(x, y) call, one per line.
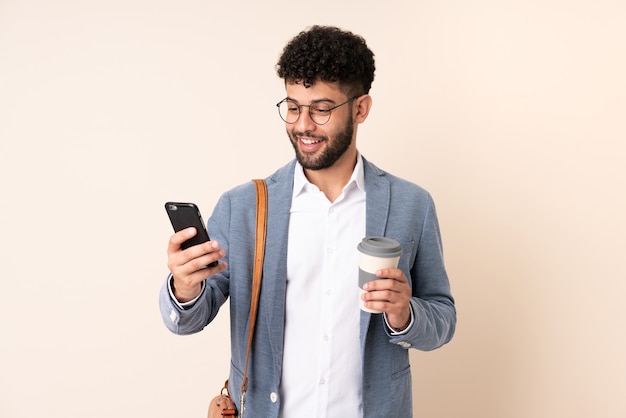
point(310, 141)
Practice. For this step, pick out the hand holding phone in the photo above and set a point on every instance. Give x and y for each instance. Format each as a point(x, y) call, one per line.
point(184, 215)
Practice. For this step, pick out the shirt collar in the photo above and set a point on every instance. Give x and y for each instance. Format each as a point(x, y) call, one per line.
point(302, 184)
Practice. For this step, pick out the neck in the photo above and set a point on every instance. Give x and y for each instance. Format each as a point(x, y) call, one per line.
point(333, 179)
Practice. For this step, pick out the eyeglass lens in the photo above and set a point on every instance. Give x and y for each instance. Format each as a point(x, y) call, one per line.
point(290, 111)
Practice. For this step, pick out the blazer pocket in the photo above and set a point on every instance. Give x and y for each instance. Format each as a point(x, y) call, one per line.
point(402, 373)
point(400, 393)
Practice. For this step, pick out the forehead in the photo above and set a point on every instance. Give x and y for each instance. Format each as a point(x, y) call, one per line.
point(319, 90)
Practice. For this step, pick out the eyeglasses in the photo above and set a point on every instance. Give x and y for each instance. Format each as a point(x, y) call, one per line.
point(319, 113)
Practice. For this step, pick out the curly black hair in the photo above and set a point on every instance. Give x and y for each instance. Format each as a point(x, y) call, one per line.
point(329, 54)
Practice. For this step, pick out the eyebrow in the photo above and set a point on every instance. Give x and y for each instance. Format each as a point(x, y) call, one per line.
point(313, 102)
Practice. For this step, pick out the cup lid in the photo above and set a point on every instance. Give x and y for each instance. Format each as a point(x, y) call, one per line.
point(380, 247)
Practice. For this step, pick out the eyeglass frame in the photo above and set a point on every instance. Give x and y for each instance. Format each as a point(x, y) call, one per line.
point(300, 106)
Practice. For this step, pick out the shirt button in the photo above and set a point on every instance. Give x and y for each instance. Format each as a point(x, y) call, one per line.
point(273, 397)
point(325, 338)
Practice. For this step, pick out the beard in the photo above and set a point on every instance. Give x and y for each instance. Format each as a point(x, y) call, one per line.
point(330, 154)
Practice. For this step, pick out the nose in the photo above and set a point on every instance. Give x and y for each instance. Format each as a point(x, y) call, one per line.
point(304, 122)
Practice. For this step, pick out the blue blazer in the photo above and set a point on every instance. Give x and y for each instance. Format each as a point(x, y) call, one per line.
point(395, 208)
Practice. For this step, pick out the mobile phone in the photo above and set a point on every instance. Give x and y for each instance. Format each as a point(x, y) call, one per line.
point(184, 215)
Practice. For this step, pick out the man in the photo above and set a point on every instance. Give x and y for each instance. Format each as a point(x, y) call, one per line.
point(315, 353)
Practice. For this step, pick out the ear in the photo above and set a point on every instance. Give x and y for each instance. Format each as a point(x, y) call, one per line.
point(361, 109)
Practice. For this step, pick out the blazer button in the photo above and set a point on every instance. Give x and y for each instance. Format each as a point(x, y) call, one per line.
point(173, 316)
point(273, 397)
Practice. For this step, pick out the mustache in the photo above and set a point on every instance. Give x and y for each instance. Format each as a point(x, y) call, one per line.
point(296, 134)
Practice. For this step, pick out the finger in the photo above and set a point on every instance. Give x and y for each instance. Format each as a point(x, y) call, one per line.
point(384, 283)
point(203, 260)
point(377, 296)
point(197, 276)
point(377, 285)
point(391, 273)
point(187, 277)
point(208, 247)
point(195, 258)
point(178, 238)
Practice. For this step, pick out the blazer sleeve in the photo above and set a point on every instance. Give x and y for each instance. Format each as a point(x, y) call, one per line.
point(431, 301)
point(189, 320)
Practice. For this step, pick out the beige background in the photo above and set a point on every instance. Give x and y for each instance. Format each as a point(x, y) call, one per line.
point(510, 112)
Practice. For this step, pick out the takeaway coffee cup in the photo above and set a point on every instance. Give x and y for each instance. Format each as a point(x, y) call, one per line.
point(375, 253)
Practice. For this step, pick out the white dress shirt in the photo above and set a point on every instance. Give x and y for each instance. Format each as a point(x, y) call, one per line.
point(322, 359)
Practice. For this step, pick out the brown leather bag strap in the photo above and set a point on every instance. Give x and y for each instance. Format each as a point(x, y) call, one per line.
point(259, 254)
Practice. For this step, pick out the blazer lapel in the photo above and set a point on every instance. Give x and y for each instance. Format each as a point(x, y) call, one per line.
point(279, 192)
point(378, 195)
point(377, 200)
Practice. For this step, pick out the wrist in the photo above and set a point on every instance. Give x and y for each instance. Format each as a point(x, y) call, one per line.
point(403, 327)
point(185, 295)
point(404, 321)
